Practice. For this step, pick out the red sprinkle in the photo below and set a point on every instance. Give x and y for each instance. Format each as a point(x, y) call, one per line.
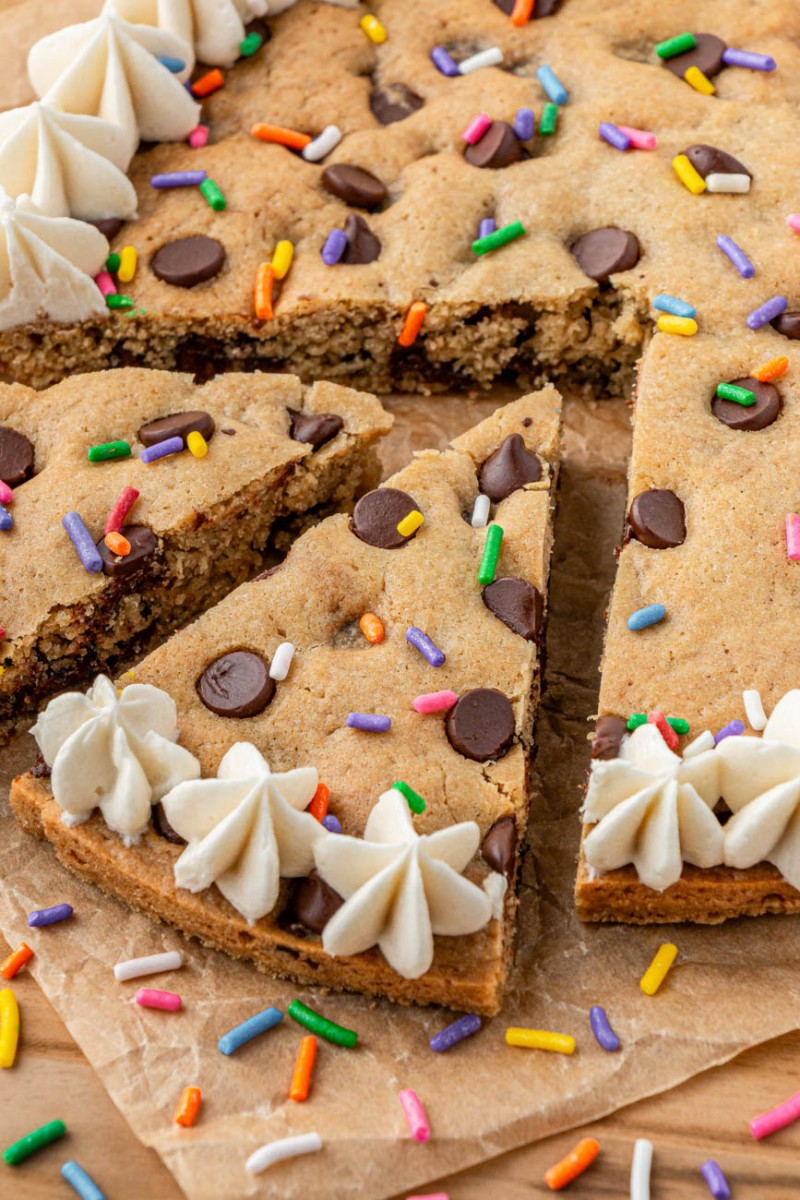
point(657, 718)
point(319, 804)
point(116, 518)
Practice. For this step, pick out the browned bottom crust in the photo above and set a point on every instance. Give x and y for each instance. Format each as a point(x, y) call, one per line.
point(468, 973)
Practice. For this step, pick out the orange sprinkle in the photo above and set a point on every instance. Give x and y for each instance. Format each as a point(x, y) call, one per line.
point(117, 544)
point(319, 803)
point(301, 1076)
point(413, 323)
point(209, 83)
point(772, 369)
point(522, 12)
point(372, 628)
point(188, 1107)
point(15, 961)
point(265, 280)
point(283, 137)
point(573, 1165)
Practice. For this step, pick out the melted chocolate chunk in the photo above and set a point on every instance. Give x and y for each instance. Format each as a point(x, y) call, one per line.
point(16, 457)
point(314, 428)
point(163, 828)
point(362, 244)
point(757, 416)
point(608, 735)
point(236, 685)
point(499, 847)
point(108, 226)
point(480, 725)
point(518, 604)
point(707, 55)
point(708, 160)
point(177, 425)
point(188, 261)
point(499, 147)
point(394, 102)
point(603, 252)
point(657, 519)
point(788, 323)
point(542, 8)
point(357, 187)
point(377, 515)
point(144, 544)
point(510, 467)
point(314, 902)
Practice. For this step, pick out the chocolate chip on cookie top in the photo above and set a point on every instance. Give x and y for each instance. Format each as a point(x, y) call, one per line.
point(603, 252)
point(377, 515)
point(499, 847)
point(751, 417)
point(708, 160)
point(706, 55)
point(511, 466)
point(518, 604)
point(788, 323)
point(657, 519)
point(188, 261)
point(542, 8)
point(394, 102)
point(236, 685)
point(143, 545)
point(498, 147)
point(354, 185)
point(608, 734)
point(480, 725)
point(314, 428)
point(177, 425)
point(16, 457)
point(363, 246)
point(314, 902)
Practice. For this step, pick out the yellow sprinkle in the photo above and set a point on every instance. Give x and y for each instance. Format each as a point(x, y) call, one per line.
point(685, 326)
point(197, 444)
point(700, 82)
point(127, 264)
point(2, 672)
point(539, 1039)
point(690, 178)
point(373, 29)
point(282, 259)
point(655, 974)
point(410, 524)
point(9, 1027)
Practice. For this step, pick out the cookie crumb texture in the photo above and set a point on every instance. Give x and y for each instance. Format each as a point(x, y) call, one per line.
point(315, 600)
point(198, 528)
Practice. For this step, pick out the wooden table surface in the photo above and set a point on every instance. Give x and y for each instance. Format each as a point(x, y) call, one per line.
point(704, 1118)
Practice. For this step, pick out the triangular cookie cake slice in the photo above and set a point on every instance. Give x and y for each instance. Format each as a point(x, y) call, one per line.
point(338, 751)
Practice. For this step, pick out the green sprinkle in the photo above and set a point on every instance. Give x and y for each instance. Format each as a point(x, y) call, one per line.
point(637, 719)
point(415, 801)
point(109, 450)
point(500, 237)
point(491, 553)
point(119, 301)
point(112, 263)
point(676, 45)
point(680, 725)
point(213, 195)
point(32, 1142)
point(321, 1025)
point(739, 395)
point(547, 125)
point(251, 44)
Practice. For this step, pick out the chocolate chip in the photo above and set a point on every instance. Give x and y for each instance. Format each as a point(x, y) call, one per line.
point(499, 847)
point(314, 428)
point(362, 244)
point(757, 416)
point(605, 251)
point(229, 432)
point(707, 55)
point(108, 226)
point(357, 187)
point(518, 604)
point(16, 457)
point(188, 261)
point(608, 734)
point(527, 422)
point(236, 685)
point(394, 102)
point(510, 467)
point(144, 544)
point(177, 425)
point(481, 724)
point(542, 8)
point(314, 902)
point(499, 147)
point(377, 515)
point(708, 160)
point(788, 323)
point(657, 519)
point(163, 828)
point(260, 27)
point(40, 769)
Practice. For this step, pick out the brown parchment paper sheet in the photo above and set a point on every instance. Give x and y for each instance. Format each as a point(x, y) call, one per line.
point(734, 986)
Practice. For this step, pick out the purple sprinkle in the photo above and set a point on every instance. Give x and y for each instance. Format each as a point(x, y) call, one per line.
point(174, 179)
point(83, 542)
point(737, 256)
point(444, 62)
point(524, 124)
point(332, 823)
point(615, 137)
point(601, 1029)
point(420, 641)
point(717, 1183)
point(169, 446)
point(487, 226)
point(464, 1027)
point(369, 722)
point(49, 916)
point(768, 311)
point(745, 58)
point(732, 729)
point(334, 248)
point(6, 519)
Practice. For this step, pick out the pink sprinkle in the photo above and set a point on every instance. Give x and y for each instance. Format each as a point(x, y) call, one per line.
point(476, 128)
point(415, 1115)
point(198, 137)
point(116, 518)
point(105, 283)
point(793, 221)
point(640, 139)
point(657, 718)
point(6, 494)
point(152, 998)
point(776, 1118)
point(432, 702)
point(793, 536)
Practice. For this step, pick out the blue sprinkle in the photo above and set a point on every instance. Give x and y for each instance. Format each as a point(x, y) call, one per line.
point(464, 1027)
point(6, 519)
point(332, 823)
point(732, 729)
point(240, 1035)
point(671, 304)
point(552, 85)
point(175, 65)
point(643, 617)
point(80, 1182)
point(601, 1029)
point(525, 124)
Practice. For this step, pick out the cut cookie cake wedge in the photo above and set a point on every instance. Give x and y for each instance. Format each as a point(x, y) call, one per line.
point(133, 499)
point(338, 751)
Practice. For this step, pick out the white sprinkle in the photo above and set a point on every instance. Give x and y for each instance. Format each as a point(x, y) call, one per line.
point(754, 709)
point(704, 742)
point(485, 58)
point(717, 182)
point(322, 145)
point(153, 964)
point(640, 1169)
point(273, 1152)
point(281, 661)
point(480, 513)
